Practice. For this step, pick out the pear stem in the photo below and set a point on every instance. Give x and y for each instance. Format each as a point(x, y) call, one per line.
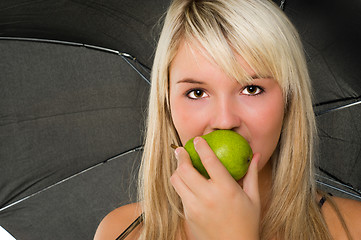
point(174, 146)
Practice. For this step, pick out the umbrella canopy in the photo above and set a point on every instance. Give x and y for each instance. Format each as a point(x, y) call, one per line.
point(331, 33)
point(126, 25)
point(72, 114)
point(65, 110)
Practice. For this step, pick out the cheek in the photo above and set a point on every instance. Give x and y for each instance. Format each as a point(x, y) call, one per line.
point(187, 120)
point(266, 129)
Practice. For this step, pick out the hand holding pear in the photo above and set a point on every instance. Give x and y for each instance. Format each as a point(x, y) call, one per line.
point(230, 148)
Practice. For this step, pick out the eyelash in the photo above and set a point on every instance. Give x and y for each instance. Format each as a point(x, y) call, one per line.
point(259, 90)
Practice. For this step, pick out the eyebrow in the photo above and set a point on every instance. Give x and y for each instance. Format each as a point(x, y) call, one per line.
point(191, 80)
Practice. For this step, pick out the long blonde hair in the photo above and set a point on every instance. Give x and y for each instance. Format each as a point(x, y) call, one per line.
point(262, 35)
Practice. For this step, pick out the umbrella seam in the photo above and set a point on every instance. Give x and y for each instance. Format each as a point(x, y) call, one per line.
point(64, 114)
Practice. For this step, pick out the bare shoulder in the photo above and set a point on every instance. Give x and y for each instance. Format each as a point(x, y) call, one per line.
point(350, 211)
point(117, 221)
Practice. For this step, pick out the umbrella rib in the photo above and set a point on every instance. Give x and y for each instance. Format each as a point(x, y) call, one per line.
point(43, 40)
point(139, 148)
point(338, 189)
point(337, 101)
point(338, 181)
point(358, 101)
point(144, 67)
point(125, 57)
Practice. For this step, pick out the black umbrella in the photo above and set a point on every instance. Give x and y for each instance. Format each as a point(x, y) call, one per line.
point(331, 33)
point(126, 25)
point(72, 115)
point(65, 110)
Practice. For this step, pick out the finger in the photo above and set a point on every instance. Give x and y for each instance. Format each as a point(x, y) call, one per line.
point(189, 175)
point(250, 181)
point(214, 167)
point(179, 186)
point(187, 196)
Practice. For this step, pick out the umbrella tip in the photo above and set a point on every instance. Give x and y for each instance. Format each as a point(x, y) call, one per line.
point(282, 5)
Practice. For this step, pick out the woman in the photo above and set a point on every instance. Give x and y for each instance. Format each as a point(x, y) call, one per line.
point(238, 65)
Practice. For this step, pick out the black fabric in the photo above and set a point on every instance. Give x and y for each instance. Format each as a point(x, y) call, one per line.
point(331, 34)
point(322, 201)
point(126, 25)
point(63, 109)
point(73, 209)
point(340, 144)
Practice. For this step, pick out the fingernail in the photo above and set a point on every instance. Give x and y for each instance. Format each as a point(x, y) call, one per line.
point(177, 152)
point(195, 142)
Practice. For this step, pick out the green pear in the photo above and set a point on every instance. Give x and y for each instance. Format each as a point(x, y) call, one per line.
point(230, 148)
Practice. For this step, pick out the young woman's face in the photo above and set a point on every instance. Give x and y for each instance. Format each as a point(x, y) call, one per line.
point(203, 98)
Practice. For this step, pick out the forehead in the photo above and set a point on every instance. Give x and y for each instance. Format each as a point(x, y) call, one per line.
point(192, 58)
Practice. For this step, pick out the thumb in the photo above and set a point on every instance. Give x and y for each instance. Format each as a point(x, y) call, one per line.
point(250, 181)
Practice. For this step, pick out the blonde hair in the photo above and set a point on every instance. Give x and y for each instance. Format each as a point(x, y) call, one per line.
point(264, 37)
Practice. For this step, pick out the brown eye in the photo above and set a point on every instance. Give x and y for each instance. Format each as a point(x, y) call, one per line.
point(252, 90)
point(196, 94)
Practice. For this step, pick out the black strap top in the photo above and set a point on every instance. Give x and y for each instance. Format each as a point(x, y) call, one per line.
point(322, 201)
point(137, 221)
point(131, 227)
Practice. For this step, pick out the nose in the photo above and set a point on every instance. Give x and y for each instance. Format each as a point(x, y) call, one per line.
point(227, 115)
